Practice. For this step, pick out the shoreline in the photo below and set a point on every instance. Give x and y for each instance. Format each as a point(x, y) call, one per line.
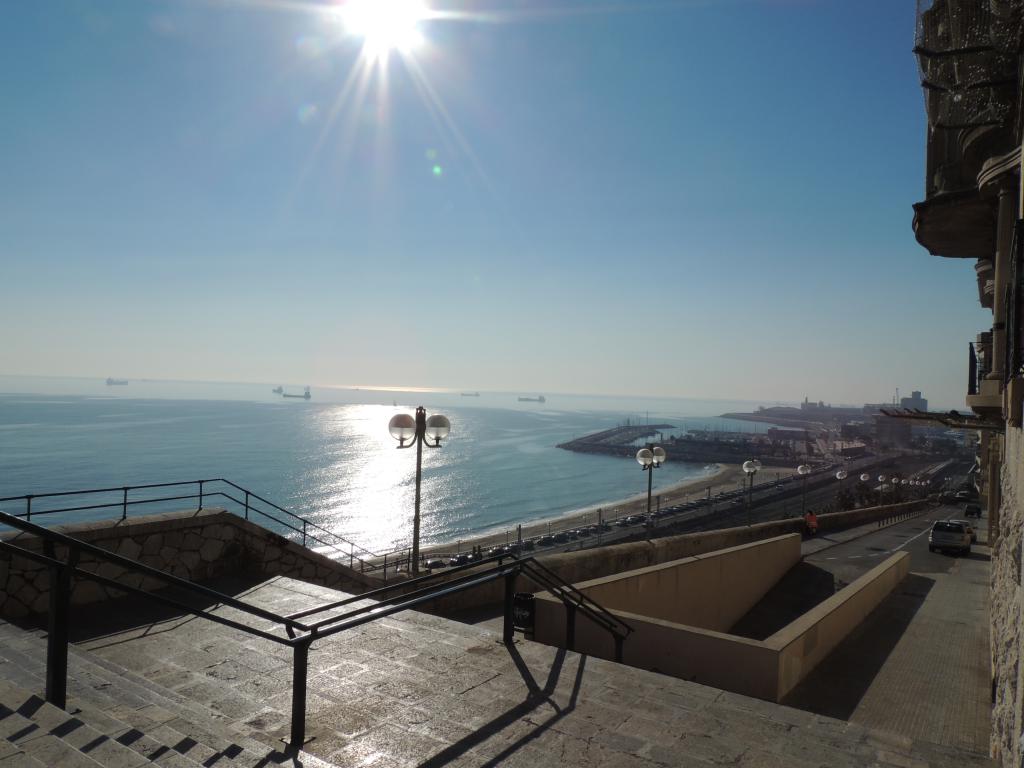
point(724, 477)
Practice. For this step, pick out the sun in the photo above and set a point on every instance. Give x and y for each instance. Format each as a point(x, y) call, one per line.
point(384, 25)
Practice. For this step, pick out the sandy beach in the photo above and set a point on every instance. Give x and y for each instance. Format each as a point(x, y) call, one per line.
point(725, 477)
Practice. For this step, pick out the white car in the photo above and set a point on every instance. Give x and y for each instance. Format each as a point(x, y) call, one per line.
point(949, 534)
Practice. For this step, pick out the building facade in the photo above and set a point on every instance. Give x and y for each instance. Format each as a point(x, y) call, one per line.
point(969, 58)
point(914, 402)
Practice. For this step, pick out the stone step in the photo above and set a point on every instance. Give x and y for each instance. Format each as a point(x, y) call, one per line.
point(58, 738)
point(114, 690)
point(149, 717)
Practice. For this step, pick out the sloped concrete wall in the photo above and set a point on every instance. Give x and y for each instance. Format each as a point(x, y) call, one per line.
point(804, 643)
point(766, 669)
point(195, 545)
point(711, 591)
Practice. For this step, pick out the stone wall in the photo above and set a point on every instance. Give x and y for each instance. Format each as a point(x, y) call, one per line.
point(1005, 605)
point(196, 545)
point(587, 564)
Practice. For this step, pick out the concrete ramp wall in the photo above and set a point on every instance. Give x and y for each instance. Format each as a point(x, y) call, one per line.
point(711, 590)
point(706, 654)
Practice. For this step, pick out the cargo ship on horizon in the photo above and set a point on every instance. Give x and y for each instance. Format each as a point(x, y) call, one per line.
point(304, 396)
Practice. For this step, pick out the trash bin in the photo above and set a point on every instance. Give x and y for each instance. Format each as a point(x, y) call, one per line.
point(524, 610)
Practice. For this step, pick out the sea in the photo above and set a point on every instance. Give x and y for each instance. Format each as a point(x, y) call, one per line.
point(331, 459)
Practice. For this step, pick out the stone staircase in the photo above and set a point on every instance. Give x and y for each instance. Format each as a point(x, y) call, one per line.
point(407, 690)
point(114, 718)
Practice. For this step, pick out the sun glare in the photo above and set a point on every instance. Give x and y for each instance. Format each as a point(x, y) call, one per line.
point(384, 25)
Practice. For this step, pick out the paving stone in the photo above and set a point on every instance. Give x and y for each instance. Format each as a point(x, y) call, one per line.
point(420, 690)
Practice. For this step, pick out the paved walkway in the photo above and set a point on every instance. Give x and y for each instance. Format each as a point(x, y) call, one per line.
point(417, 690)
point(919, 664)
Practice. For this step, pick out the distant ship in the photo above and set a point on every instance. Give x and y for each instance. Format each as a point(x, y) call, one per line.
point(304, 396)
point(278, 390)
point(111, 382)
point(471, 394)
point(537, 399)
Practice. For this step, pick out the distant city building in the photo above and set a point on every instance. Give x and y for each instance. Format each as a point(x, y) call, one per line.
point(914, 402)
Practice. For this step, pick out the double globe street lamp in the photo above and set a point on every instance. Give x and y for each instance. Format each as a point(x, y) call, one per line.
point(803, 470)
point(841, 475)
point(409, 431)
point(650, 458)
point(751, 467)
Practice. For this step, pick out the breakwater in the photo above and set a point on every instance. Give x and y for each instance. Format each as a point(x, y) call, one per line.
point(691, 448)
point(617, 441)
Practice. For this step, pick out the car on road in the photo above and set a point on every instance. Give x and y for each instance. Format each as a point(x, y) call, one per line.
point(963, 495)
point(972, 510)
point(546, 541)
point(949, 535)
point(460, 559)
point(434, 562)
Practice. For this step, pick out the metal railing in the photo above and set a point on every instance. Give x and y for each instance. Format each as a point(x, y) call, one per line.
point(238, 500)
point(249, 505)
point(298, 632)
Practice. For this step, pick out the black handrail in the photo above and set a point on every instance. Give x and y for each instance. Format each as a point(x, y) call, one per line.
point(557, 586)
point(163, 599)
point(300, 635)
point(78, 545)
point(366, 558)
point(248, 502)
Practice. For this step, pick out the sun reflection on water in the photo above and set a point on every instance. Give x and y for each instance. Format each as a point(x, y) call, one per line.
point(368, 486)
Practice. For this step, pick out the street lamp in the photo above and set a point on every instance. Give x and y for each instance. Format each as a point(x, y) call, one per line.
point(751, 467)
point(803, 470)
point(408, 432)
point(650, 458)
point(864, 477)
point(881, 485)
point(840, 476)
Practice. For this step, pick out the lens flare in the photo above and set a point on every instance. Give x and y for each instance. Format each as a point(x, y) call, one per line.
point(384, 25)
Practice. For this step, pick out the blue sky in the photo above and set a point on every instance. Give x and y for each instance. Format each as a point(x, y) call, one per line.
point(702, 199)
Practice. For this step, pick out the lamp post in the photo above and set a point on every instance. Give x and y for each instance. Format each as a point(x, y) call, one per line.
point(650, 458)
point(803, 470)
point(840, 476)
point(881, 485)
point(751, 467)
point(409, 431)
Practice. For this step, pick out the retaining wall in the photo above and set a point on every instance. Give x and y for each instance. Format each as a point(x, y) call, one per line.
point(196, 545)
point(766, 669)
point(587, 564)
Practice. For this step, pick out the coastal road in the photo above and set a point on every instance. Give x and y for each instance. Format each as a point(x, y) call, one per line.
point(849, 560)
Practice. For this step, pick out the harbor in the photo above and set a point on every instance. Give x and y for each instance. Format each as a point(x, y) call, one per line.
point(617, 441)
